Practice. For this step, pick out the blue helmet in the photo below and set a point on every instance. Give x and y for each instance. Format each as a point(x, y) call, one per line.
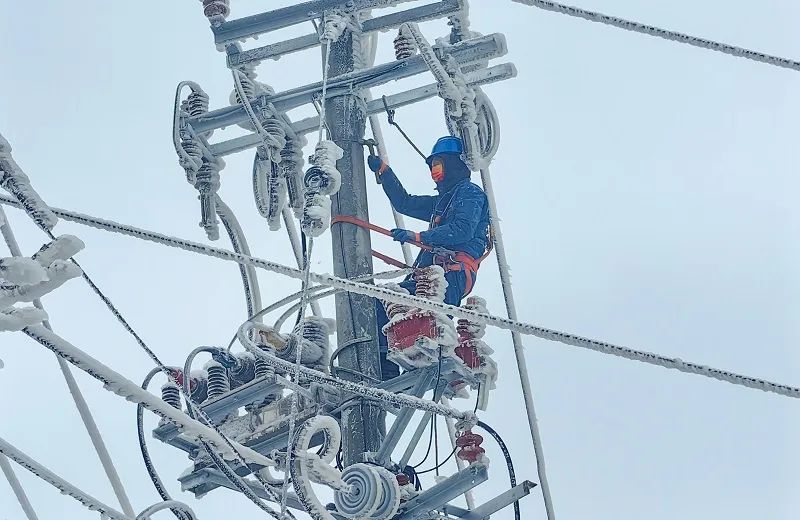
point(447, 144)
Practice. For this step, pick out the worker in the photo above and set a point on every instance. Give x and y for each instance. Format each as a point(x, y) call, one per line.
point(458, 229)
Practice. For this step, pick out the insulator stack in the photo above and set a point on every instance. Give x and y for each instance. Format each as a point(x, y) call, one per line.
point(248, 86)
point(276, 189)
point(216, 9)
point(291, 163)
point(404, 45)
point(207, 183)
point(262, 369)
point(431, 283)
point(171, 394)
point(321, 180)
point(394, 310)
point(469, 447)
point(244, 371)
point(197, 103)
point(316, 330)
point(218, 382)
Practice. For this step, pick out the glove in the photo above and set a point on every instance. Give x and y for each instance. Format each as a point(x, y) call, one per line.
point(375, 163)
point(404, 235)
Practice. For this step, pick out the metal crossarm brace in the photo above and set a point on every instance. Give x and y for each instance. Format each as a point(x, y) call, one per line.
point(216, 409)
point(400, 424)
point(477, 78)
point(381, 23)
point(499, 502)
point(250, 26)
point(207, 479)
point(443, 492)
point(468, 51)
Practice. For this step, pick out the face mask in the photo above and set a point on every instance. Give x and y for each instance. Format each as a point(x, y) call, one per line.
point(437, 172)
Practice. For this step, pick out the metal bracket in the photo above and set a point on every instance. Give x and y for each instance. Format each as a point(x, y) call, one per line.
point(381, 23)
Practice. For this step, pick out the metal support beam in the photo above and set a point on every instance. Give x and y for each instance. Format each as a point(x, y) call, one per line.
point(250, 26)
point(380, 23)
point(304, 126)
point(402, 420)
point(499, 502)
point(469, 51)
point(445, 491)
point(216, 409)
point(207, 479)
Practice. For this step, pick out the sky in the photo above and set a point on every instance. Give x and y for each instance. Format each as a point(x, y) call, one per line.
point(647, 195)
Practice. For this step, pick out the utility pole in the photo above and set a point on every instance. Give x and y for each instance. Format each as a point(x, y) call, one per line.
point(363, 426)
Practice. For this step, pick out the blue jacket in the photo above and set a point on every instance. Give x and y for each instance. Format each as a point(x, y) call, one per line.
point(458, 216)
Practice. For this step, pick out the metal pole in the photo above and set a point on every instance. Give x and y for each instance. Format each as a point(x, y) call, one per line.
point(519, 348)
point(363, 426)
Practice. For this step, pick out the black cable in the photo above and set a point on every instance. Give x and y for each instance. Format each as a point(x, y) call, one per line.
point(304, 249)
point(390, 116)
point(509, 463)
point(148, 462)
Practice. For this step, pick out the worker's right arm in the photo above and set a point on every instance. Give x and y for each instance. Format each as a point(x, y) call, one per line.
point(414, 206)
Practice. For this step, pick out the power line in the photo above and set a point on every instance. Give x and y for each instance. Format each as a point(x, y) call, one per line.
point(658, 32)
point(385, 294)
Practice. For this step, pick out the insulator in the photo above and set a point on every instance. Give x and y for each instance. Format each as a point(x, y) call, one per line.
point(276, 188)
point(316, 214)
point(244, 371)
point(469, 445)
point(291, 161)
point(248, 86)
point(197, 103)
point(275, 128)
point(395, 309)
point(171, 394)
point(431, 283)
point(404, 46)
point(467, 329)
point(218, 382)
point(215, 8)
point(374, 493)
point(319, 181)
point(315, 330)
point(262, 368)
point(207, 183)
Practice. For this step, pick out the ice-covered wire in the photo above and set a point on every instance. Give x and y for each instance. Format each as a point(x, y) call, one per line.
point(398, 400)
point(77, 396)
point(421, 303)
point(512, 476)
point(252, 292)
point(14, 180)
point(294, 403)
point(658, 32)
point(174, 505)
point(59, 483)
point(148, 462)
point(516, 338)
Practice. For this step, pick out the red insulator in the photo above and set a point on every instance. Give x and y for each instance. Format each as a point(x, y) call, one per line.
point(402, 479)
point(470, 446)
point(213, 8)
point(468, 354)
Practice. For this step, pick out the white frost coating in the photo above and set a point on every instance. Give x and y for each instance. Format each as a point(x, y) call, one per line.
point(399, 400)
point(58, 273)
point(15, 319)
point(21, 271)
point(120, 385)
point(62, 248)
point(17, 184)
point(335, 23)
point(384, 294)
point(628, 25)
point(59, 483)
point(308, 467)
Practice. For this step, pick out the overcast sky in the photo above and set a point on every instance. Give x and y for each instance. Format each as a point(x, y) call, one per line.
point(648, 197)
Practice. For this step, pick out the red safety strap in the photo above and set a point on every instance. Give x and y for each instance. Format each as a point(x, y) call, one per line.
point(383, 231)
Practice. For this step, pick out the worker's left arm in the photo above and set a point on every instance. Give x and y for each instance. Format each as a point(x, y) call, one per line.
point(460, 227)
